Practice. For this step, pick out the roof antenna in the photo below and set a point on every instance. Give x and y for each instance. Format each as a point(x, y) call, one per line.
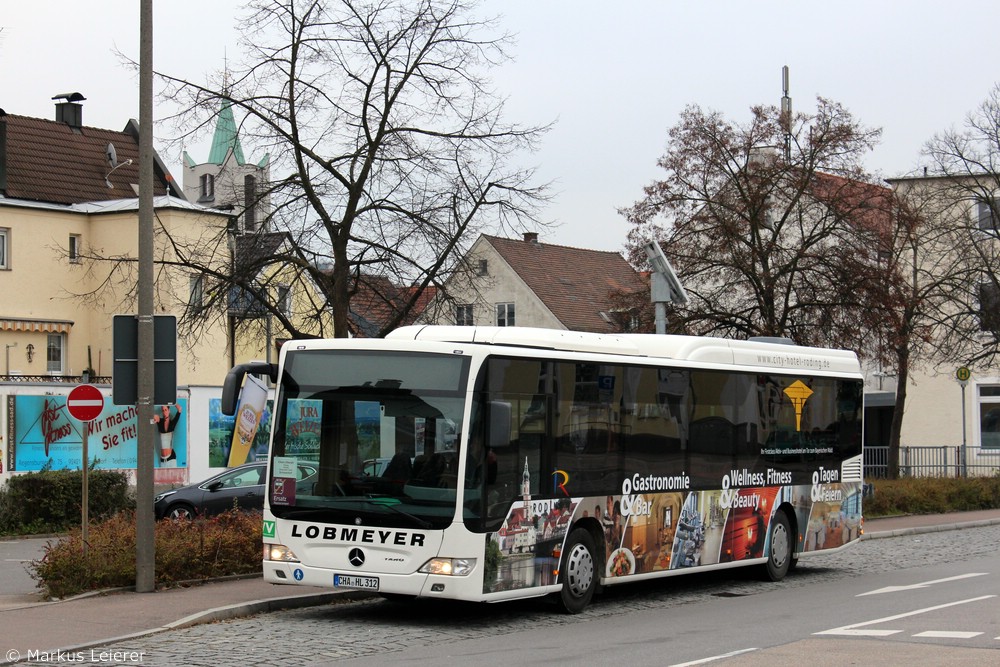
point(786, 113)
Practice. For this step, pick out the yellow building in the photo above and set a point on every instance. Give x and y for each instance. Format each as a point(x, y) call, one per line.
point(68, 264)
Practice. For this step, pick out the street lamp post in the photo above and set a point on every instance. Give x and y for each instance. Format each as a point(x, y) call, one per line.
point(145, 555)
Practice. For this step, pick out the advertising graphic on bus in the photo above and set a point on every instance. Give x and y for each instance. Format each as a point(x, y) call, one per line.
point(488, 464)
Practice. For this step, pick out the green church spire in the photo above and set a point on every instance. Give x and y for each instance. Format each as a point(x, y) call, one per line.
point(226, 137)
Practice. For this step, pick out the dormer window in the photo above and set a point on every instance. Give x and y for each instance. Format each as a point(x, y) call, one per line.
point(207, 188)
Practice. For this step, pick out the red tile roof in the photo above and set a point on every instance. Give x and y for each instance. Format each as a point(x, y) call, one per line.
point(866, 205)
point(377, 301)
point(574, 283)
point(50, 161)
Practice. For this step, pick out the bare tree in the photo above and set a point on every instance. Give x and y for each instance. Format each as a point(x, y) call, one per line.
point(767, 223)
point(391, 149)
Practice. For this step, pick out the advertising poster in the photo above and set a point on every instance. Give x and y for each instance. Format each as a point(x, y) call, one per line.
point(253, 400)
point(302, 429)
point(45, 435)
point(221, 432)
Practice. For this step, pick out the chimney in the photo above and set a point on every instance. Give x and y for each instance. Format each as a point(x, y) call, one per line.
point(68, 111)
point(531, 237)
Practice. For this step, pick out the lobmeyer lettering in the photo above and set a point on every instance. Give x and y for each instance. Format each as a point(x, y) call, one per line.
point(366, 536)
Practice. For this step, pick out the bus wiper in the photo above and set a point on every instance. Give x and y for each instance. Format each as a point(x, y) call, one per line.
point(389, 502)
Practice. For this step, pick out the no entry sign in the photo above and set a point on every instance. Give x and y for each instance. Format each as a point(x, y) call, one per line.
point(85, 402)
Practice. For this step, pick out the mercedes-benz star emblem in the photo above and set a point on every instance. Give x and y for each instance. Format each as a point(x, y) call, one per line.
point(357, 557)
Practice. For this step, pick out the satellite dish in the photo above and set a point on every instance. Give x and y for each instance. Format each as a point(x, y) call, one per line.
point(112, 155)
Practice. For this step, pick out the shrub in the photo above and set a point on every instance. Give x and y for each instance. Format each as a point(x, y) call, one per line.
point(932, 495)
point(200, 549)
point(50, 501)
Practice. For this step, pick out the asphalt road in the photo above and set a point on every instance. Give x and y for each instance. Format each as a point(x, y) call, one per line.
point(14, 557)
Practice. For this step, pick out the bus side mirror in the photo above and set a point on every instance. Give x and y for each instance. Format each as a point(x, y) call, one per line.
point(234, 381)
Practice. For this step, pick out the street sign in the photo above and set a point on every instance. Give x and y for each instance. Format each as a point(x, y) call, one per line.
point(85, 402)
point(125, 369)
point(963, 374)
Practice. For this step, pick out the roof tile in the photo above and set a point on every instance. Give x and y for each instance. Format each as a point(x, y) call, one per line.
point(49, 161)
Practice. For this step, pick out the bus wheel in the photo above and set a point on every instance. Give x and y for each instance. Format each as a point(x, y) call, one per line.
point(779, 557)
point(578, 573)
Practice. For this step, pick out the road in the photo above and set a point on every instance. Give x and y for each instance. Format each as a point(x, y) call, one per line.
point(15, 582)
point(913, 599)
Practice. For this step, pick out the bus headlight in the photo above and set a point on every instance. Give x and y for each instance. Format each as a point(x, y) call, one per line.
point(279, 552)
point(454, 567)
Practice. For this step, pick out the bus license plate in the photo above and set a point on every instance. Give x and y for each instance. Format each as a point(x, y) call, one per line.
point(353, 581)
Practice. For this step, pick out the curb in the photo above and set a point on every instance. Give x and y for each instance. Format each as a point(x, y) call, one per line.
point(211, 616)
point(187, 583)
point(918, 530)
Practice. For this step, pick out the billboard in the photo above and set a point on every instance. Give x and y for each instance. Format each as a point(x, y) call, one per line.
point(46, 436)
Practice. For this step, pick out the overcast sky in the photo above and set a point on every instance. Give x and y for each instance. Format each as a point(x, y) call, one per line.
point(614, 76)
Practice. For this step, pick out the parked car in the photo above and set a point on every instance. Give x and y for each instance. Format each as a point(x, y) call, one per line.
point(242, 486)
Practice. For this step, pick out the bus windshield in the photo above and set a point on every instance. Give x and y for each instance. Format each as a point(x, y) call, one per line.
point(382, 429)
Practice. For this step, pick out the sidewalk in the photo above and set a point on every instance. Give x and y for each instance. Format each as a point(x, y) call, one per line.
point(104, 618)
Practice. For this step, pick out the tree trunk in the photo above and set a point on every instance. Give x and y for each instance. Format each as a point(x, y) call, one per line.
point(896, 427)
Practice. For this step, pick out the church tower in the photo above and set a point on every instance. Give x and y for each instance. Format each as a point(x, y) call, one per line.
point(226, 180)
point(526, 490)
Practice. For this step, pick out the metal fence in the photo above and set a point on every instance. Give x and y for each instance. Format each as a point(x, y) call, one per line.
point(942, 461)
point(61, 379)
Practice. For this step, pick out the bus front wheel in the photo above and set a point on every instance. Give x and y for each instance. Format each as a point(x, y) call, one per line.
point(780, 553)
point(578, 573)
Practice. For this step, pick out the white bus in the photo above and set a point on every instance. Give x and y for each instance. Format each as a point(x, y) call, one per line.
point(491, 463)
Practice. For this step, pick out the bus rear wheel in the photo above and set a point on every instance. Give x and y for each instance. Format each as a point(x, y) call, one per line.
point(578, 573)
point(781, 550)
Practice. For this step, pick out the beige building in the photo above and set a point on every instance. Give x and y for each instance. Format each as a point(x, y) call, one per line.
point(69, 238)
point(68, 264)
point(949, 425)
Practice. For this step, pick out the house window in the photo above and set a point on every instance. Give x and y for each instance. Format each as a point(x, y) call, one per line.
point(622, 319)
point(196, 293)
point(989, 306)
point(463, 315)
point(989, 416)
point(283, 300)
point(505, 314)
point(250, 201)
point(4, 248)
point(988, 215)
point(74, 248)
point(54, 354)
point(207, 188)
point(483, 268)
